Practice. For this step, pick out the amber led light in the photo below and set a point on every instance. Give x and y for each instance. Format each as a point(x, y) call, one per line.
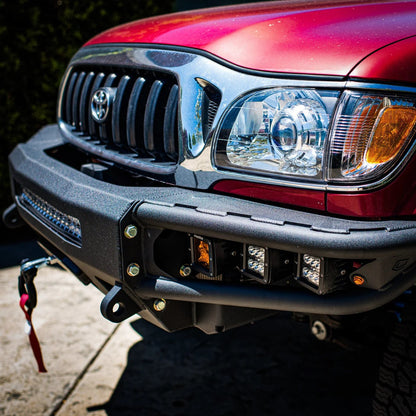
point(203, 253)
point(393, 128)
point(358, 280)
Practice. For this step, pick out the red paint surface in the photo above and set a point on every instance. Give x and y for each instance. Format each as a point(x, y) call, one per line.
point(368, 41)
point(289, 196)
point(394, 200)
point(397, 199)
point(297, 36)
point(396, 62)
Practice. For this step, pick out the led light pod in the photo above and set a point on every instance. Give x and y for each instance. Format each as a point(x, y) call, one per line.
point(311, 269)
point(256, 260)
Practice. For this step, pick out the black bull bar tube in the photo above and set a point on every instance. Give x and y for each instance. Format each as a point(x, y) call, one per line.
point(359, 301)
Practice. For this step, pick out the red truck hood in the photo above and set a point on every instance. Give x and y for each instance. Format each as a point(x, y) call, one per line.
point(298, 37)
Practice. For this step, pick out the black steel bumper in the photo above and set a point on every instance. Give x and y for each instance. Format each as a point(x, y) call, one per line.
point(103, 210)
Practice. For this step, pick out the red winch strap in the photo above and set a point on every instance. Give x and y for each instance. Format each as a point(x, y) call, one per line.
point(34, 342)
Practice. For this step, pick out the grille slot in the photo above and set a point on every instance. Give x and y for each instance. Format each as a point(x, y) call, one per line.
point(143, 118)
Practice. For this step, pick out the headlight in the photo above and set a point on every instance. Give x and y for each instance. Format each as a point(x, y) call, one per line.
point(287, 131)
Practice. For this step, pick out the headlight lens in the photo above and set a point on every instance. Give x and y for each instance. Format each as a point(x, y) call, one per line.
point(286, 131)
point(280, 131)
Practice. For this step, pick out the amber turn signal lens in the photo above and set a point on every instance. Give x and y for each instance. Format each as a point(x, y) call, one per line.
point(203, 253)
point(394, 126)
point(358, 280)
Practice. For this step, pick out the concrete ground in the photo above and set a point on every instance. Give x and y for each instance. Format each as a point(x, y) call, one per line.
point(99, 368)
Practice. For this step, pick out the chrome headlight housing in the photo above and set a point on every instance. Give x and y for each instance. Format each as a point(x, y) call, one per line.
point(315, 135)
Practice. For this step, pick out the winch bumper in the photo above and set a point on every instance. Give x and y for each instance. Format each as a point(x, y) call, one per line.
point(59, 202)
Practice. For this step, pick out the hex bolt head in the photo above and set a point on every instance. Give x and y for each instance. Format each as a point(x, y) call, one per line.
point(133, 269)
point(159, 305)
point(319, 330)
point(185, 270)
point(130, 231)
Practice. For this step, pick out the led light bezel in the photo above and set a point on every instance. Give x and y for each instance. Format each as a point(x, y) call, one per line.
point(304, 264)
point(333, 274)
point(250, 273)
point(211, 270)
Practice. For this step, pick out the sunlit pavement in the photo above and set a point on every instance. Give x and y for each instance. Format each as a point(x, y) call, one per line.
point(71, 332)
point(99, 368)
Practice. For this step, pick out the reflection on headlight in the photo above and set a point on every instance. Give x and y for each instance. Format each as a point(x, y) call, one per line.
point(287, 132)
point(279, 131)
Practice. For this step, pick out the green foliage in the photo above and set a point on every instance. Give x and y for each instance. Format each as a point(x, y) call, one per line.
point(37, 40)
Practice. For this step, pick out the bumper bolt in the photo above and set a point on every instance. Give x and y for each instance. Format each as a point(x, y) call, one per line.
point(185, 270)
point(130, 231)
point(133, 269)
point(159, 305)
point(319, 330)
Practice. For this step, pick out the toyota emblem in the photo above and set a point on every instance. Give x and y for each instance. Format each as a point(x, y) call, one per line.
point(101, 103)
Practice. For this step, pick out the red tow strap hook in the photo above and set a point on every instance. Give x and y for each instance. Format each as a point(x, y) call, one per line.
point(28, 301)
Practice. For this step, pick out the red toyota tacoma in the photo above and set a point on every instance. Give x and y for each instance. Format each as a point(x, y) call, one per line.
point(210, 168)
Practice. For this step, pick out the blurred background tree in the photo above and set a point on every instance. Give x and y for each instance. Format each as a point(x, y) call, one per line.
point(37, 40)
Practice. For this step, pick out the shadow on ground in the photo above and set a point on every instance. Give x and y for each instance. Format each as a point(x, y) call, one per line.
point(13, 253)
point(271, 367)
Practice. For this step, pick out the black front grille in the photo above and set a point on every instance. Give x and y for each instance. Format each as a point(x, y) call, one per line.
point(143, 118)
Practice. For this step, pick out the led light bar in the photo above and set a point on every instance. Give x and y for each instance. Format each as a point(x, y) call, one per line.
point(67, 225)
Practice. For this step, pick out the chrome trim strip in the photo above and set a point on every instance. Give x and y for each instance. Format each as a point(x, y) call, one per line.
point(131, 115)
point(169, 121)
point(149, 116)
point(359, 85)
point(115, 122)
point(195, 167)
point(85, 95)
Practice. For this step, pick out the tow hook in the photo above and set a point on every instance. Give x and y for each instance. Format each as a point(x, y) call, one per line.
point(117, 305)
point(28, 301)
